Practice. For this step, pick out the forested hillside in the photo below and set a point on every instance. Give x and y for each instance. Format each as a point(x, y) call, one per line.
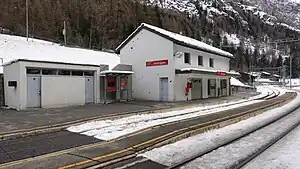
point(236, 26)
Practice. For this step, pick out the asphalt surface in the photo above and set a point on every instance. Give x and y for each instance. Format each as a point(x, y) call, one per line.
point(136, 163)
point(12, 150)
point(12, 120)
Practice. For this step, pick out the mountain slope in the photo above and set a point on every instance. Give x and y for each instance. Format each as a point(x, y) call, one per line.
point(245, 28)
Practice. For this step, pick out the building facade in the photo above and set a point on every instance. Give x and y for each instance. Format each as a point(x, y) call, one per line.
point(172, 67)
point(46, 84)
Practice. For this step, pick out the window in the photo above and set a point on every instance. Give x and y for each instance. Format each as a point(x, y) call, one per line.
point(49, 71)
point(187, 58)
point(88, 73)
point(77, 73)
point(64, 72)
point(33, 71)
point(211, 62)
point(200, 60)
point(223, 84)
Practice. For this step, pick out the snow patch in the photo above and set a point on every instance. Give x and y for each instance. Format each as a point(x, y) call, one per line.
point(15, 47)
point(174, 153)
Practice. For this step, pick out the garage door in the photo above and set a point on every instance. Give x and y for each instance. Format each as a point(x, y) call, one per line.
point(196, 89)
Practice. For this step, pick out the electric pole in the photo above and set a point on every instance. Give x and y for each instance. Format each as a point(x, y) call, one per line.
point(27, 18)
point(291, 58)
point(65, 33)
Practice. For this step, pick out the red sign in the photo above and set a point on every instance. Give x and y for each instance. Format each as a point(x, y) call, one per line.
point(157, 63)
point(221, 74)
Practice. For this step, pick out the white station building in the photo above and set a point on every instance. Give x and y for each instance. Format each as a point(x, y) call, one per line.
point(40, 74)
point(153, 64)
point(172, 67)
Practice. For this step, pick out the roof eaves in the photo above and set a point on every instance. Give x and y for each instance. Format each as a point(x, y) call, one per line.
point(118, 49)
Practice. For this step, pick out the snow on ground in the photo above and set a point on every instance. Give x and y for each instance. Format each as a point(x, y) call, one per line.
point(111, 129)
point(283, 155)
point(16, 47)
point(173, 153)
point(228, 156)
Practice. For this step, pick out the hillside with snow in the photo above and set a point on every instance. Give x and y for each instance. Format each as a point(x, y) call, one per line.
point(252, 23)
point(15, 47)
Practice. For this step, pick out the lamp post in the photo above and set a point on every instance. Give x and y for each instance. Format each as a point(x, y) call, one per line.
point(291, 58)
point(27, 25)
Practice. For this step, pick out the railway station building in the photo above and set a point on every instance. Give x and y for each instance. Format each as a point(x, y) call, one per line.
point(172, 67)
point(151, 64)
point(50, 83)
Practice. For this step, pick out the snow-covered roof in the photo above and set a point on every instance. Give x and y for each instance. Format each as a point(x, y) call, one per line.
point(210, 71)
point(266, 73)
point(15, 47)
point(236, 82)
point(263, 80)
point(255, 74)
point(275, 75)
point(178, 39)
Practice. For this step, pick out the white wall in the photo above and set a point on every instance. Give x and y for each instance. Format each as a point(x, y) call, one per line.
point(220, 63)
point(147, 46)
point(17, 71)
point(11, 94)
point(60, 91)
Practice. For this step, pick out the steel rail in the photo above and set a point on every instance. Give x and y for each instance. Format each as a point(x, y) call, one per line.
point(199, 127)
point(186, 161)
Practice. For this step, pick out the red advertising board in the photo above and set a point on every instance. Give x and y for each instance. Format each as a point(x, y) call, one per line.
point(157, 63)
point(221, 74)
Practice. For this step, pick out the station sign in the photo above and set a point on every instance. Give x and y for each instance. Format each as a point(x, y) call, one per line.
point(157, 63)
point(221, 74)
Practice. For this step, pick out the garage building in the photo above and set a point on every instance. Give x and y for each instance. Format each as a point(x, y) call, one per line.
point(173, 67)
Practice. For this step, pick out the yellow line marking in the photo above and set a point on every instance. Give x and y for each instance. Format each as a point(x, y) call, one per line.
point(95, 159)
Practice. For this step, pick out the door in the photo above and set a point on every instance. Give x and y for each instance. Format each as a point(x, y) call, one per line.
point(164, 89)
point(89, 89)
point(102, 89)
point(196, 89)
point(33, 91)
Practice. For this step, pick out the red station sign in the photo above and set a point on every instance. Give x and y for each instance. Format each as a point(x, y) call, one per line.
point(157, 63)
point(221, 74)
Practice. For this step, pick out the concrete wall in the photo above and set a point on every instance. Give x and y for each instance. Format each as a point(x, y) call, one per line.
point(147, 46)
point(17, 98)
point(12, 95)
point(60, 91)
point(220, 63)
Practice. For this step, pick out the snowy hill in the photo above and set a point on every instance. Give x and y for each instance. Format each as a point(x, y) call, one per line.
point(244, 14)
point(15, 47)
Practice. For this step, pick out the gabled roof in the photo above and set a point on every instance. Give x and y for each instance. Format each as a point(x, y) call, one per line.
point(13, 48)
point(178, 39)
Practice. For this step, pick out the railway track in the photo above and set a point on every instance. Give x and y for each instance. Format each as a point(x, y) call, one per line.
point(200, 127)
point(60, 127)
point(242, 163)
point(29, 147)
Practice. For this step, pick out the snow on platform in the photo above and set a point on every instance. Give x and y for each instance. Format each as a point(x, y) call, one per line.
point(15, 47)
point(111, 129)
point(174, 153)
